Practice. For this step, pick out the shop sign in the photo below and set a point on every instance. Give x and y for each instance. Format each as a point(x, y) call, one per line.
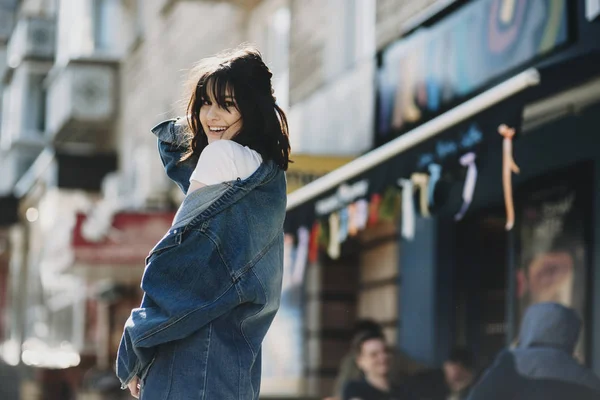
point(128, 241)
point(440, 66)
point(345, 195)
point(446, 148)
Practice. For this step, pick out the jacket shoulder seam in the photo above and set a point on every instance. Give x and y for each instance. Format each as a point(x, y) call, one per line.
point(256, 313)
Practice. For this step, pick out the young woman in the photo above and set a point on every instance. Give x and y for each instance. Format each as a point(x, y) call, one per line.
point(373, 361)
point(212, 285)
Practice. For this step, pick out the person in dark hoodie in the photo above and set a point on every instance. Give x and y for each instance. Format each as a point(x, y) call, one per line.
point(542, 366)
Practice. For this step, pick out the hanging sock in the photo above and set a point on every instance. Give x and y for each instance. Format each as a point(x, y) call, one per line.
point(288, 251)
point(374, 209)
point(288, 259)
point(389, 209)
point(352, 220)
point(333, 250)
point(343, 234)
point(313, 248)
point(508, 167)
point(408, 209)
point(301, 256)
point(468, 160)
point(435, 173)
point(421, 181)
point(362, 214)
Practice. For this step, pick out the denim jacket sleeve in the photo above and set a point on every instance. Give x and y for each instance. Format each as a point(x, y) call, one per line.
point(183, 292)
point(171, 148)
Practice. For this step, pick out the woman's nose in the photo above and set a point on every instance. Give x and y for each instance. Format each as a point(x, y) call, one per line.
point(212, 113)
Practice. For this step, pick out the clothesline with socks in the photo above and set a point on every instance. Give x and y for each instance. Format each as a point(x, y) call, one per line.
point(397, 202)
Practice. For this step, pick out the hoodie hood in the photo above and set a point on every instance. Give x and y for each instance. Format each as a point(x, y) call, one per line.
point(550, 325)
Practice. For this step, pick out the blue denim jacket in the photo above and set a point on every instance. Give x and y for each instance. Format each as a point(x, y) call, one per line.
point(212, 286)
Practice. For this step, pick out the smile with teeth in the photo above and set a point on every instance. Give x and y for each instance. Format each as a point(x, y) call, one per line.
point(217, 128)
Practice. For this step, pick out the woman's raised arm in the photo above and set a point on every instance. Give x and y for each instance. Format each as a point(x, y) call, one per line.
point(171, 148)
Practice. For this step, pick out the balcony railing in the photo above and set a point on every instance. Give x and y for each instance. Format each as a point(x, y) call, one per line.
point(82, 104)
point(33, 38)
point(23, 112)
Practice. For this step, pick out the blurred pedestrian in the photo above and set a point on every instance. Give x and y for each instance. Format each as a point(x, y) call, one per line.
point(453, 381)
point(372, 359)
point(542, 366)
point(459, 373)
point(401, 365)
point(212, 285)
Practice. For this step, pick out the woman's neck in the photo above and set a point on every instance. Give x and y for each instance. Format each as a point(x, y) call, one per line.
point(379, 382)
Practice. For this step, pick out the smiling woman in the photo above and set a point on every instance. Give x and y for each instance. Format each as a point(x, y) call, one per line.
point(212, 285)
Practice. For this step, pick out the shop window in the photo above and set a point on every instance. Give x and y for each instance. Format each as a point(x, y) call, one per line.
point(109, 26)
point(352, 35)
point(34, 116)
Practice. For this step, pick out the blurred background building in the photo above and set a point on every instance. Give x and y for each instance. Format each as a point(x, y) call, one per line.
point(375, 91)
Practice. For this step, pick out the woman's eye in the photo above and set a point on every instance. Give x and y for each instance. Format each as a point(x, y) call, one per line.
point(229, 104)
point(205, 103)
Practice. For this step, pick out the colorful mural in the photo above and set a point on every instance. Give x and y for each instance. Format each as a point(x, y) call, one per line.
point(438, 67)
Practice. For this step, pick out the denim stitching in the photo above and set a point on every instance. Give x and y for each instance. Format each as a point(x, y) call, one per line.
point(239, 365)
point(257, 258)
point(231, 275)
point(214, 208)
point(169, 324)
point(170, 375)
point(206, 360)
point(255, 314)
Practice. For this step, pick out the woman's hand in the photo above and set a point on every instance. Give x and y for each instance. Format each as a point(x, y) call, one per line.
point(134, 387)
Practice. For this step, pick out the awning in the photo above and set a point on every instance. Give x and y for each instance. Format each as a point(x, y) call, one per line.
point(467, 127)
point(381, 168)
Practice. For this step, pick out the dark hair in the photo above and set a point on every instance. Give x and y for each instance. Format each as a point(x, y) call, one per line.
point(360, 339)
point(243, 72)
point(462, 356)
point(367, 325)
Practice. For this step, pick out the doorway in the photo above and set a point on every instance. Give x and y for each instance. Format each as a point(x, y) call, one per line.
point(480, 285)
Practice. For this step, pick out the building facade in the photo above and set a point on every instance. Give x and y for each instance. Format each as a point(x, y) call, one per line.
point(83, 195)
point(401, 85)
point(419, 233)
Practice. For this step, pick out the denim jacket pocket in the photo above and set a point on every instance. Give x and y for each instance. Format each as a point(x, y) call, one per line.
point(171, 239)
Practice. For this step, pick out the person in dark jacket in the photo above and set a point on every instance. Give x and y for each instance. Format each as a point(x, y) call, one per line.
point(372, 358)
point(402, 366)
point(451, 382)
point(542, 366)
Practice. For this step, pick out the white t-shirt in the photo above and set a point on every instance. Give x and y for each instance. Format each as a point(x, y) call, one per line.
point(224, 161)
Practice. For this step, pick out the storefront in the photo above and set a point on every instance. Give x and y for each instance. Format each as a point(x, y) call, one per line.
point(436, 197)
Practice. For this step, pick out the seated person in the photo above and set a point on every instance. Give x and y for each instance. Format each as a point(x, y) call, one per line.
point(402, 367)
point(373, 361)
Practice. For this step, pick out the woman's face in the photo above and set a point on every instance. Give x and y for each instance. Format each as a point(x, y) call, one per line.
point(373, 358)
point(220, 123)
